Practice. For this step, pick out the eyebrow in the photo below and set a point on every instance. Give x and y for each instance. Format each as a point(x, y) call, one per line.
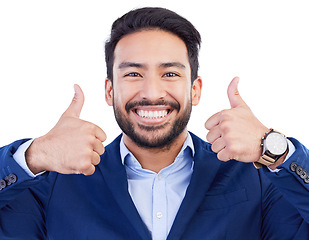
point(172, 64)
point(144, 66)
point(131, 64)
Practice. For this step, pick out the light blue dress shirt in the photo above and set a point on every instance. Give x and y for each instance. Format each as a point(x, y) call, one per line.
point(158, 196)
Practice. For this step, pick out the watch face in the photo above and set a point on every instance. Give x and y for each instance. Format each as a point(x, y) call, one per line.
point(276, 143)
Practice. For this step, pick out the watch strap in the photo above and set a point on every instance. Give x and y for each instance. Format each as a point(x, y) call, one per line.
point(267, 158)
point(264, 161)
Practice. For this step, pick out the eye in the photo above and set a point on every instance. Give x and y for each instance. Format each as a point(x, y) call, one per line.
point(132, 74)
point(170, 74)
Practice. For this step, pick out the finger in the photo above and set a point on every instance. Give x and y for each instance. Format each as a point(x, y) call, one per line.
point(95, 160)
point(233, 94)
point(213, 121)
point(98, 147)
point(77, 103)
point(218, 145)
point(213, 134)
point(89, 171)
point(100, 134)
point(86, 168)
point(223, 155)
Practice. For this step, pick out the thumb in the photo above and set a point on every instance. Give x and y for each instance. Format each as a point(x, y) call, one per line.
point(233, 94)
point(77, 103)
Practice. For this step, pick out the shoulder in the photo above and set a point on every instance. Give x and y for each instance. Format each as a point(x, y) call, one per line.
point(200, 144)
point(114, 146)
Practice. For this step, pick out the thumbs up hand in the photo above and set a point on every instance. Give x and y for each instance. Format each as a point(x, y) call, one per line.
point(235, 133)
point(73, 146)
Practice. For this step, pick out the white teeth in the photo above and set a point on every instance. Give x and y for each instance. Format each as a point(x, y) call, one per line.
point(151, 114)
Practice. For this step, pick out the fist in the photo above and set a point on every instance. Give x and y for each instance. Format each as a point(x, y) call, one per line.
point(73, 146)
point(235, 133)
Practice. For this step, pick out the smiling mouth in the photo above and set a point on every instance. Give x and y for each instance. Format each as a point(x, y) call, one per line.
point(149, 114)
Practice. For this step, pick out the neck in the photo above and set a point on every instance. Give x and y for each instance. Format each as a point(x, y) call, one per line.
point(155, 159)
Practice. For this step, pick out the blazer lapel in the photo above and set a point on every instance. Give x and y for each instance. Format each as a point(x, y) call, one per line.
point(115, 175)
point(206, 165)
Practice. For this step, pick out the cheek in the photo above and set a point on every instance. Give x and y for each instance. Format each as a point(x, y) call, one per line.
point(123, 94)
point(182, 94)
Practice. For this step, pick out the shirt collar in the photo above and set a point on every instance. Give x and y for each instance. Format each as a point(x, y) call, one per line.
point(124, 151)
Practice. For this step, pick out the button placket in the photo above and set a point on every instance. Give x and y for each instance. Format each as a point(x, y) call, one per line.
point(159, 208)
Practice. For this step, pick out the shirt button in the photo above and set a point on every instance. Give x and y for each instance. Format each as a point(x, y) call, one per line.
point(159, 176)
point(159, 215)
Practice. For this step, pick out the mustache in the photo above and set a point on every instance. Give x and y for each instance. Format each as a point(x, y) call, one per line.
point(146, 102)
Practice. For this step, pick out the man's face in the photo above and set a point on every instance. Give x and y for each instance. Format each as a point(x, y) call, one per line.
point(152, 91)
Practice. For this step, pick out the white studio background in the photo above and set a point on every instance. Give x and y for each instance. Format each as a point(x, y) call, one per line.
point(47, 46)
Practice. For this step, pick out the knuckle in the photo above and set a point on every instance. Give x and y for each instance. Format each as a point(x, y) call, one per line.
point(224, 113)
point(88, 127)
point(84, 166)
point(83, 126)
point(91, 141)
point(224, 126)
point(85, 159)
point(87, 153)
point(229, 138)
point(91, 129)
point(233, 149)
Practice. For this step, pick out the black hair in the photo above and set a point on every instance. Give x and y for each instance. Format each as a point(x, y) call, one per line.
point(154, 18)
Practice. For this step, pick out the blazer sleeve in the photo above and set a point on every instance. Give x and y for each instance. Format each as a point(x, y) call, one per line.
point(293, 183)
point(22, 198)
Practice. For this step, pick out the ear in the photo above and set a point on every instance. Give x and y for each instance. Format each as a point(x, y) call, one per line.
point(196, 91)
point(109, 92)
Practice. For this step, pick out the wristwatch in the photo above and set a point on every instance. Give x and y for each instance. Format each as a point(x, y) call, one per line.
point(274, 145)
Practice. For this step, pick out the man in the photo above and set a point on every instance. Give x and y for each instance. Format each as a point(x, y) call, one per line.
point(156, 180)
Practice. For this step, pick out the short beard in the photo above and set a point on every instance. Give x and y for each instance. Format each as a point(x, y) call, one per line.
point(158, 142)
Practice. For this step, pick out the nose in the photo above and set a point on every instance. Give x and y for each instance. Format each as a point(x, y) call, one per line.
point(152, 89)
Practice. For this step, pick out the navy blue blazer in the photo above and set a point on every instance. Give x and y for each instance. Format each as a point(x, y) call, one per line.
point(224, 200)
